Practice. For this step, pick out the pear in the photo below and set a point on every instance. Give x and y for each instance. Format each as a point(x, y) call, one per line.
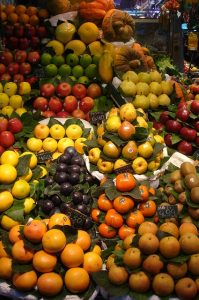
point(128, 112)
point(142, 88)
point(130, 76)
point(167, 87)
point(105, 166)
point(144, 77)
point(128, 88)
point(155, 88)
point(113, 123)
point(111, 150)
point(164, 100)
point(141, 101)
point(141, 113)
point(114, 111)
point(141, 122)
point(145, 149)
point(130, 150)
point(126, 130)
point(156, 76)
point(94, 155)
point(153, 101)
point(119, 163)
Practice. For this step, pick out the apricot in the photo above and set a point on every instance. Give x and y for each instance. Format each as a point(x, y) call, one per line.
point(148, 243)
point(189, 243)
point(193, 264)
point(152, 264)
point(128, 241)
point(177, 270)
point(163, 284)
point(170, 227)
point(117, 275)
point(169, 247)
point(132, 258)
point(139, 282)
point(147, 227)
point(188, 228)
point(186, 288)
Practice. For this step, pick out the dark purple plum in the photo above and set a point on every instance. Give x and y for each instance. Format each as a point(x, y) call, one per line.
point(71, 151)
point(64, 207)
point(64, 158)
point(62, 167)
point(82, 208)
point(74, 178)
point(83, 170)
point(88, 223)
point(48, 181)
point(55, 199)
point(61, 177)
point(47, 206)
point(86, 199)
point(77, 160)
point(77, 197)
point(88, 178)
point(66, 188)
point(74, 169)
point(54, 211)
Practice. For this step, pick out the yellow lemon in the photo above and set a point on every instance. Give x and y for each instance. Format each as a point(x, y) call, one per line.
point(6, 200)
point(7, 223)
point(8, 173)
point(29, 204)
point(33, 159)
point(10, 157)
point(20, 189)
point(88, 32)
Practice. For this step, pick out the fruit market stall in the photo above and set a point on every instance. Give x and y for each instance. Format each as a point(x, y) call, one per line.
point(99, 140)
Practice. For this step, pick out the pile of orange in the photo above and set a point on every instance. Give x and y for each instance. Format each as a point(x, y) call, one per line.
point(51, 250)
point(22, 14)
point(121, 215)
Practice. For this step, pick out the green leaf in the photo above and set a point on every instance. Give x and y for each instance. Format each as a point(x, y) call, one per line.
point(101, 279)
point(158, 147)
point(175, 139)
point(135, 193)
point(91, 144)
point(54, 121)
point(140, 134)
point(89, 292)
point(180, 259)
point(118, 257)
point(135, 240)
point(71, 121)
point(86, 132)
point(21, 268)
point(112, 193)
point(52, 189)
point(4, 187)
point(139, 296)
point(16, 211)
point(23, 164)
point(107, 252)
point(161, 234)
point(69, 231)
point(36, 172)
point(7, 245)
point(114, 138)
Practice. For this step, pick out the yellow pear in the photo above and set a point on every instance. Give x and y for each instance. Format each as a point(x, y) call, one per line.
point(130, 150)
point(111, 150)
point(94, 155)
point(113, 123)
point(105, 166)
point(119, 163)
point(145, 150)
point(141, 122)
point(128, 112)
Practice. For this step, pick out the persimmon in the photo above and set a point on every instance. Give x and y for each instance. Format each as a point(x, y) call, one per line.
point(104, 203)
point(148, 208)
point(124, 231)
point(144, 192)
point(123, 204)
point(135, 218)
point(107, 231)
point(113, 218)
point(95, 215)
point(125, 182)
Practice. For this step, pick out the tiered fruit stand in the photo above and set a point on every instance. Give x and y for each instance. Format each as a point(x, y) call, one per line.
point(99, 179)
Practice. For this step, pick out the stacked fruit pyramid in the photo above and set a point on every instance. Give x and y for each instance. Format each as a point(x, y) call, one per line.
point(55, 215)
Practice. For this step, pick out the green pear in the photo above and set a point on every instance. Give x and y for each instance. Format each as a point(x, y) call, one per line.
point(164, 100)
point(153, 101)
point(144, 77)
point(130, 76)
point(113, 123)
point(142, 88)
point(141, 101)
point(156, 76)
point(128, 112)
point(130, 150)
point(128, 88)
point(167, 87)
point(155, 88)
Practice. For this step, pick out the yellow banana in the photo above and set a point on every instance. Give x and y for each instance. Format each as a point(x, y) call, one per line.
point(105, 67)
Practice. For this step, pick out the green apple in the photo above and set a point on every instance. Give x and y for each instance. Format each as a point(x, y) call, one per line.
point(144, 77)
point(142, 88)
point(105, 166)
point(128, 88)
point(130, 150)
point(128, 112)
point(64, 32)
point(145, 149)
point(155, 88)
point(167, 87)
point(94, 155)
point(113, 123)
point(141, 101)
point(111, 150)
point(130, 76)
point(153, 101)
point(164, 100)
point(156, 76)
point(139, 165)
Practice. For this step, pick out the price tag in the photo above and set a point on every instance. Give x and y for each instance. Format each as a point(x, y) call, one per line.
point(77, 218)
point(125, 169)
point(43, 156)
point(170, 211)
point(97, 117)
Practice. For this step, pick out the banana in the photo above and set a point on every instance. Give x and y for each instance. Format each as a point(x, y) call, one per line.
point(105, 67)
point(57, 46)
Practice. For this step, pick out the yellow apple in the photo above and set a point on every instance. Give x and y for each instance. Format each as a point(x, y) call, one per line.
point(41, 131)
point(57, 131)
point(34, 144)
point(7, 110)
point(113, 123)
point(128, 112)
point(141, 122)
point(105, 166)
point(139, 165)
point(119, 163)
point(94, 155)
point(145, 149)
point(79, 145)
point(74, 131)
point(153, 165)
point(20, 111)
point(64, 143)
point(16, 101)
point(29, 204)
point(49, 144)
point(111, 150)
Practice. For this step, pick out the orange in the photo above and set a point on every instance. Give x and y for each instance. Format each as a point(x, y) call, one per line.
point(3, 252)
point(9, 8)
point(76, 280)
point(83, 239)
point(107, 231)
point(135, 218)
point(31, 10)
point(5, 267)
point(44, 262)
point(24, 18)
point(54, 240)
point(8, 173)
point(34, 230)
point(50, 284)
point(21, 253)
point(20, 9)
point(104, 203)
point(34, 20)
point(25, 281)
point(123, 204)
point(13, 18)
point(14, 233)
point(148, 208)
point(58, 219)
point(72, 255)
point(43, 13)
point(187, 228)
point(92, 262)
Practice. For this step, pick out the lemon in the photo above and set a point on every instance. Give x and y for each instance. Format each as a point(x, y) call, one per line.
point(8, 173)
point(4, 100)
point(7, 110)
point(10, 88)
point(43, 172)
point(33, 159)
point(10, 157)
point(55, 155)
point(1, 87)
point(79, 145)
point(77, 46)
point(29, 204)
point(6, 200)
point(7, 223)
point(20, 189)
point(27, 176)
point(88, 32)
point(20, 111)
point(64, 32)
point(34, 144)
point(96, 48)
point(24, 88)
point(57, 46)
point(16, 101)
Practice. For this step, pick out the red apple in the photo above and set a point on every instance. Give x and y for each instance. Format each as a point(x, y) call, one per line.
point(70, 103)
point(33, 57)
point(40, 103)
point(182, 104)
point(2, 149)
point(94, 90)
point(6, 77)
point(196, 125)
point(18, 30)
point(158, 126)
point(35, 42)
point(2, 69)
point(55, 104)
point(185, 148)
point(12, 42)
point(63, 89)
point(197, 141)
point(20, 56)
point(87, 117)
point(24, 43)
point(41, 32)
point(79, 114)
point(183, 114)
point(32, 80)
point(48, 114)
point(25, 68)
point(164, 117)
point(86, 104)
point(190, 96)
point(168, 140)
point(29, 31)
point(13, 68)
point(194, 88)
point(195, 106)
point(18, 78)
point(189, 134)
point(79, 90)
point(173, 126)
point(6, 57)
point(15, 125)
point(7, 138)
point(62, 114)
point(47, 90)
point(3, 124)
